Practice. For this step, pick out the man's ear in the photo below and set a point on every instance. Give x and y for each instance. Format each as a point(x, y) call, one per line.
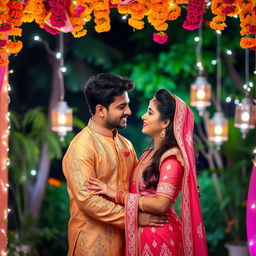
point(100, 111)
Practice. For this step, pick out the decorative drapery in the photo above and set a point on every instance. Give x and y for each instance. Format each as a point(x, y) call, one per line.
point(4, 133)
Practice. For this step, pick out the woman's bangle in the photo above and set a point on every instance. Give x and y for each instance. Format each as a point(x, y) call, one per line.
point(141, 203)
point(120, 197)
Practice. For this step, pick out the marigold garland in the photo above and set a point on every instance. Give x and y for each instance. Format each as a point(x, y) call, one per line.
point(57, 16)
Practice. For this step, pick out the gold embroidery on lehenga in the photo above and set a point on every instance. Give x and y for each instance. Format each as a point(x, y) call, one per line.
point(99, 248)
point(166, 188)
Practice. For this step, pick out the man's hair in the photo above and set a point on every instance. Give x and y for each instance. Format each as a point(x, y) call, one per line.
point(103, 88)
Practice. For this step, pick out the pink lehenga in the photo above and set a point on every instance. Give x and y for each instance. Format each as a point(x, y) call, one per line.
point(183, 236)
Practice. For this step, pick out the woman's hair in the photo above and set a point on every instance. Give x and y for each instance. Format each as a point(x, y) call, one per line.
point(103, 88)
point(166, 106)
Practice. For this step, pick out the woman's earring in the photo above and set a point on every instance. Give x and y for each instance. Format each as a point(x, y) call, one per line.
point(163, 133)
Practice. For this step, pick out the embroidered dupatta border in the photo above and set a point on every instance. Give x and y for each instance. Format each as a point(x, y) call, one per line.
point(131, 224)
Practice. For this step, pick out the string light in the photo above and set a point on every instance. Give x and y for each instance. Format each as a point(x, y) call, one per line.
point(124, 17)
point(214, 62)
point(61, 114)
point(229, 52)
point(200, 90)
point(245, 114)
point(36, 38)
point(218, 125)
point(58, 55)
point(228, 99)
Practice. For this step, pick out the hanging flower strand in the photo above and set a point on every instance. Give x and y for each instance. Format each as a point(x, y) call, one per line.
point(195, 14)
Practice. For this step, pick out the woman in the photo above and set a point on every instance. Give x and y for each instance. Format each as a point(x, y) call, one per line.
point(161, 174)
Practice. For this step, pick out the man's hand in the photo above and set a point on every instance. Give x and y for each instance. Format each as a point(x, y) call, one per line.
point(147, 219)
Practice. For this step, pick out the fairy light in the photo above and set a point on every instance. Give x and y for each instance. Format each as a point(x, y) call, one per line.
point(58, 55)
point(229, 52)
point(214, 62)
point(63, 69)
point(4, 160)
point(36, 38)
point(228, 99)
point(124, 17)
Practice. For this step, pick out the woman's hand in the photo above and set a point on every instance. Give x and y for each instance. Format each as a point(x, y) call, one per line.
point(101, 188)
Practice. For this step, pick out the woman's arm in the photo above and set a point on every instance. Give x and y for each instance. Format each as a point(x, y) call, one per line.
point(171, 172)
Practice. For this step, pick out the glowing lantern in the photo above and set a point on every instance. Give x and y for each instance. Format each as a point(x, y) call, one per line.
point(200, 94)
point(61, 119)
point(245, 116)
point(218, 129)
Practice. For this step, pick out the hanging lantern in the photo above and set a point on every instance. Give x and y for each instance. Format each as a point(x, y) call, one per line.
point(61, 119)
point(200, 94)
point(245, 116)
point(218, 129)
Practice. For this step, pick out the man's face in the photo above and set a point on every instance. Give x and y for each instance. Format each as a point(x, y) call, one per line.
point(118, 112)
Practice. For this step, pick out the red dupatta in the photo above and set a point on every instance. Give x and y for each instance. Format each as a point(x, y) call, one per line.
point(193, 233)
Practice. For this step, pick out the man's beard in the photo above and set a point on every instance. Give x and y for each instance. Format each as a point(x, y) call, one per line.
point(115, 124)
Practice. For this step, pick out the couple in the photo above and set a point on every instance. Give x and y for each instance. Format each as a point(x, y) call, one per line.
point(119, 206)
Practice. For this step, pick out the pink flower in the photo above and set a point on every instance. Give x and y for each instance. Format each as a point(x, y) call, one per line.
point(160, 37)
point(2, 43)
point(253, 48)
point(58, 21)
point(79, 10)
point(254, 9)
point(6, 27)
point(228, 1)
point(252, 29)
point(58, 11)
point(228, 10)
point(190, 25)
point(51, 30)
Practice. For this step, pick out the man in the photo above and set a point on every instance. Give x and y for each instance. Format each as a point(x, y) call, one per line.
point(96, 224)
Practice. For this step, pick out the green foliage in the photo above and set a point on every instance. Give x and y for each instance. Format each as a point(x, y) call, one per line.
point(55, 215)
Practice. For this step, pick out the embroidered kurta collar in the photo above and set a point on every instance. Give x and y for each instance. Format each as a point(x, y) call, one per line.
point(101, 130)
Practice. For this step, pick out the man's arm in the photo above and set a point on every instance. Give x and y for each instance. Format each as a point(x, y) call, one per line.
point(78, 166)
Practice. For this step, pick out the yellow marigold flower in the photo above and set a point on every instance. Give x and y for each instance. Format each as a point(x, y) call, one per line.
point(28, 17)
point(54, 182)
point(80, 33)
point(137, 24)
point(98, 6)
point(161, 27)
point(247, 42)
point(115, 1)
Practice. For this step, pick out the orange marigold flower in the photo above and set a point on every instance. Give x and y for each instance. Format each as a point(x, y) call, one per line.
point(123, 9)
point(245, 31)
point(174, 13)
point(3, 16)
point(227, 230)
point(14, 47)
point(219, 18)
point(104, 27)
point(161, 27)
point(181, 1)
point(218, 26)
point(16, 14)
point(231, 223)
point(3, 8)
point(247, 42)
point(137, 24)
point(156, 1)
point(4, 61)
point(14, 5)
point(98, 6)
point(14, 22)
point(115, 1)
point(3, 51)
point(217, 6)
point(15, 31)
point(137, 17)
point(101, 14)
point(54, 182)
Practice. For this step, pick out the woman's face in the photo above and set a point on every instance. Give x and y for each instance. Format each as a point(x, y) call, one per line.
point(151, 120)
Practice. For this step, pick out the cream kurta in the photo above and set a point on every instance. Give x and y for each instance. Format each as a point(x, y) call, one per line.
point(96, 224)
